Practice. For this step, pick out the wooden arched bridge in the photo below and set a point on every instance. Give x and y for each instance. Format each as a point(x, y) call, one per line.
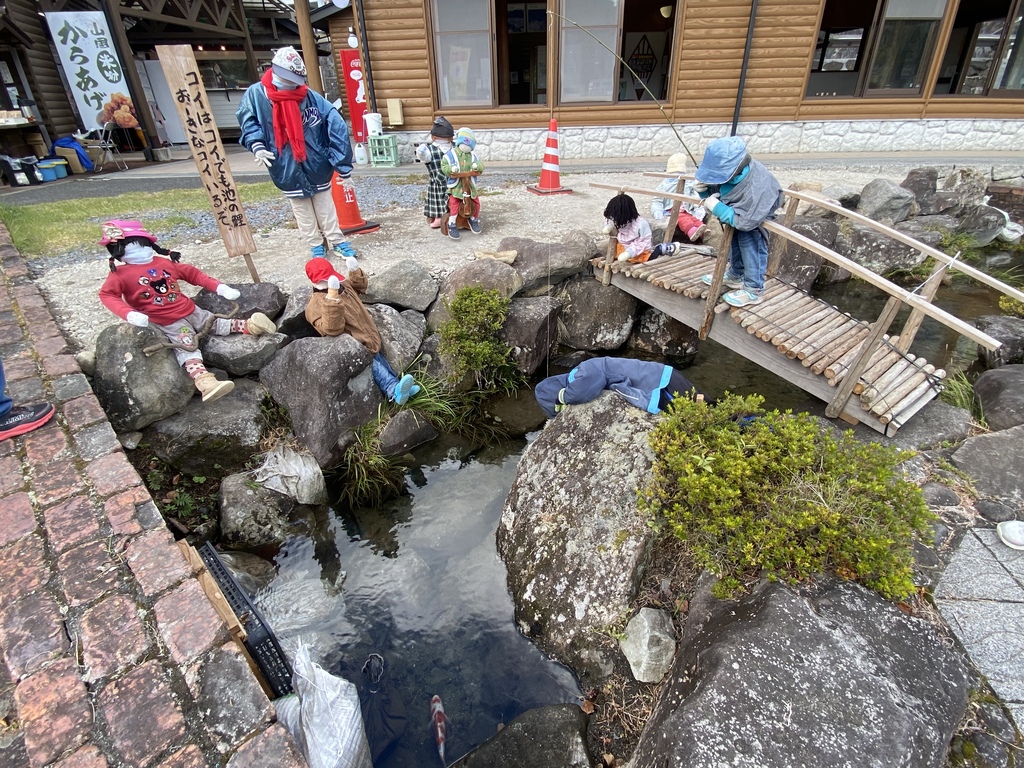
point(864, 374)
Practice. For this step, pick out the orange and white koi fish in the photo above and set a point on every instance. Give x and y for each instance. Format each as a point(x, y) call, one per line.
point(439, 724)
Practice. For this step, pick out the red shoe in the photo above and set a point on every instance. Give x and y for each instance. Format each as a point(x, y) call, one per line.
point(696, 233)
point(18, 421)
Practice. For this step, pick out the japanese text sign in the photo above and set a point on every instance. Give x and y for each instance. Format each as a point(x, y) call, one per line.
point(186, 84)
point(92, 68)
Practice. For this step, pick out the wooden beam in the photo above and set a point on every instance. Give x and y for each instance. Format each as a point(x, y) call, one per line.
point(860, 364)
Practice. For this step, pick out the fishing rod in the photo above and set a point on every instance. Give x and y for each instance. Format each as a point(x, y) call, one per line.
point(636, 77)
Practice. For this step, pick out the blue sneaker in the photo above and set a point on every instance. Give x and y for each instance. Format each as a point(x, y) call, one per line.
point(345, 249)
point(414, 391)
point(474, 225)
point(318, 252)
point(453, 232)
point(403, 389)
point(742, 298)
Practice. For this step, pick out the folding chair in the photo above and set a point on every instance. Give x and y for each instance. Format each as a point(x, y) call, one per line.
point(109, 151)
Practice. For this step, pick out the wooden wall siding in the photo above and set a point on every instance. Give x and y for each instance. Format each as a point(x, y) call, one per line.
point(41, 68)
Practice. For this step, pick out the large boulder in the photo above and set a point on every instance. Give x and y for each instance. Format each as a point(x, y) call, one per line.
point(136, 389)
point(833, 676)
point(225, 432)
point(543, 265)
point(547, 737)
point(968, 186)
point(252, 516)
point(570, 533)
point(489, 274)
point(255, 297)
point(1001, 392)
point(882, 200)
point(798, 265)
point(530, 329)
point(655, 333)
point(326, 386)
point(584, 326)
point(240, 354)
point(400, 334)
point(403, 432)
point(993, 461)
point(1008, 330)
point(981, 223)
point(922, 182)
point(406, 284)
point(875, 250)
point(292, 321)
point(924, 229)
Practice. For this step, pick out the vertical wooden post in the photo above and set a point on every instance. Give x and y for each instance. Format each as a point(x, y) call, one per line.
point(308, 42)
point(781, 244)
point(860, 363)
point(928, 291)
point(673, 216)
point(716, 283)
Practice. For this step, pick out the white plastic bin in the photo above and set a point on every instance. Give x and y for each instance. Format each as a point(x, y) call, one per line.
point(374, 124)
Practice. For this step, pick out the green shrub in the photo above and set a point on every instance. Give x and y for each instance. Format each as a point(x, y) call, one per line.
point(470, 340)
point(781, 496)
point(1011, 306)
point(366, 475)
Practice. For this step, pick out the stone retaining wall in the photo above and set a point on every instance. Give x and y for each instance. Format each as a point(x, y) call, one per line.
point(112, 654)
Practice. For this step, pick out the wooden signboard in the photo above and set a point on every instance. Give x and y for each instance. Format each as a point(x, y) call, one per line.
point(182, 73)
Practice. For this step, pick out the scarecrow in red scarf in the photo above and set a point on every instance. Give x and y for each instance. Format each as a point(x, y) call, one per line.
point(301, 139)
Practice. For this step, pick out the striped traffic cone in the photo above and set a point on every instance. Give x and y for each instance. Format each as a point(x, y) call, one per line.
point(549, 184)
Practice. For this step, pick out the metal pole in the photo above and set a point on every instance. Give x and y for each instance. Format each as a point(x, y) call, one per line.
point(365, 46)
point(743, 69)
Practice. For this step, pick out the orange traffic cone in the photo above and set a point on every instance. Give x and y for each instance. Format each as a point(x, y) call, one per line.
point(549, 184)
point(349, 218)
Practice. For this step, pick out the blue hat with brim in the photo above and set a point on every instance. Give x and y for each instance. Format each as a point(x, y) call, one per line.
point(721, 160)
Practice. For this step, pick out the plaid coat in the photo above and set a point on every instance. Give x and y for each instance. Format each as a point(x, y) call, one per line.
point(436, 204)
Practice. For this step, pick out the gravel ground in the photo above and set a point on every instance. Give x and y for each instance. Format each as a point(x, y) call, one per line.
point(508, 210)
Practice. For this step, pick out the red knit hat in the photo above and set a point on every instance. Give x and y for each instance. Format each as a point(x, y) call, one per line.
point(319, 269)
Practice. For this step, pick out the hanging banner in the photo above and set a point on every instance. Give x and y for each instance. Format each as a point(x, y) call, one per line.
point(355, 92)
point(182, 73)
point(92, 68)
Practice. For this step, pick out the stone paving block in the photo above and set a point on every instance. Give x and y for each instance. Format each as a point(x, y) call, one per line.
point(149, 515)
point(28, 390)
point(55, 711)
point(274, 746)
point(10, 474)
point(975, 574)
point(1011, 559)
point(23, 569)
point(45, 446)
point(16, 270)
point(59, 365)
point(88, 756)
point(56, 482)
point(232, 701)
point(88, 572)
point(993, 635)
point(95, 441)
point(51, 347)
point(10, 331)
point(188, 623)
point(6, 446)
point(12, 752)
point(70, 523)
point(39, 331)
point(189, 757)
point(113, 636)
point(142, 715)
point(156, 561)
point(69, 387)
point(112, 473)
point(83, 411)
point(121, 511)
point(35, 315)
point(16, 516)
point(32, 633)
point(20, 368)
point(12, 739)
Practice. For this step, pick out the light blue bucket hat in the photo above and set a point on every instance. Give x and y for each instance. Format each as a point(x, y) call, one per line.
point(721, 160)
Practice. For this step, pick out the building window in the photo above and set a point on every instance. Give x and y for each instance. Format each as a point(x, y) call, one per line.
point(876, 48)
point(462, 46)
point(983, 56)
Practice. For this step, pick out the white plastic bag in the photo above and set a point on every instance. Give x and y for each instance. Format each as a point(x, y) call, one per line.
point(1011, 233)
point(294, 474)
point(324, 717)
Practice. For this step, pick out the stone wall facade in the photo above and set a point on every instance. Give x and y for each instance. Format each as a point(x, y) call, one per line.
point(1008, 198)
point(812, 137)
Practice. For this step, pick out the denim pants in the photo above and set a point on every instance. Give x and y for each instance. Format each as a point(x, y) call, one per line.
point(748, 258)
point(383, 375)
point(5, 401)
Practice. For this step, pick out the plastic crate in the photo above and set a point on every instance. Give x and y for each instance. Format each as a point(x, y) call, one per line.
point(383, 151)
point(261, 642)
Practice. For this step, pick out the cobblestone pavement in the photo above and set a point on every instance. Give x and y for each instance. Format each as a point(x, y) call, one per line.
point(112, 654)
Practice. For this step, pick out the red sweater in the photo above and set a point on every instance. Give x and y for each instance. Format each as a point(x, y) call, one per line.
point(153, 289)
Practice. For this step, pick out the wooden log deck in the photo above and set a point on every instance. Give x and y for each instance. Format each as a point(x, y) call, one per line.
point(863, 374)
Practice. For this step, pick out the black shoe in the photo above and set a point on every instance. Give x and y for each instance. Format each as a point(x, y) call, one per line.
point(18, 421)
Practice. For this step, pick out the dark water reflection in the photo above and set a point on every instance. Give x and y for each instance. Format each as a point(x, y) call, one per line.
point(424, 587)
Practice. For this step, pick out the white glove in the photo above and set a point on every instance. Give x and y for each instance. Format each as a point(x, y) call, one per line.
point(138, 319)
point(264, 157)
point(226, 291)
point(333, 283)
point(699, 186)
point(351, 264)
point(710, 202)
point(608, 229)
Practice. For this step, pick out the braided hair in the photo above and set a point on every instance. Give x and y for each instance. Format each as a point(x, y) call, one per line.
point(621, 210)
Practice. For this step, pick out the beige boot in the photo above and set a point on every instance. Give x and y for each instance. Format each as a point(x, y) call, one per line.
point(259, 324)
point(211, 387)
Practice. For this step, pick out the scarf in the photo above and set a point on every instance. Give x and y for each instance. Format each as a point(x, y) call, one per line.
point(287, 118)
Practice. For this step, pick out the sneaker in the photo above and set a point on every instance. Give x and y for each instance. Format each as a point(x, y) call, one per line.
point(664, 249)
point(728, 282)
point(403, 390)
point(18, 421)
point(453, 232)
point(474, 225)
point(344, 249)
point(742, 298)
point(696, 233)
point(414, 391)
point(318, 252)
point(1011, 533)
